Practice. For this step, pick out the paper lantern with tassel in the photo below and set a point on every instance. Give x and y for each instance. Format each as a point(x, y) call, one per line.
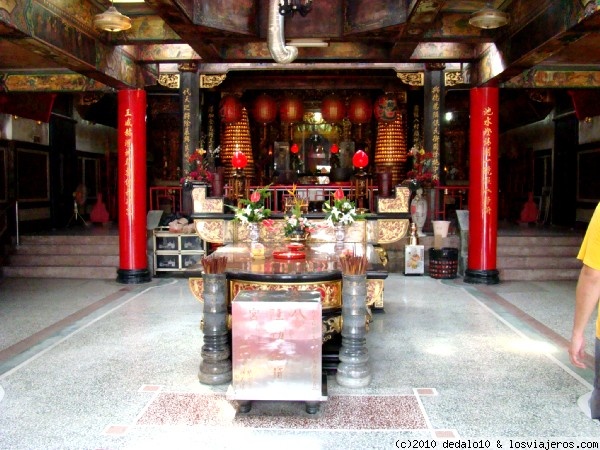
point(360, 109)
point(291, 109)
point(265, 109)
point(333, 109)
point(230, 109)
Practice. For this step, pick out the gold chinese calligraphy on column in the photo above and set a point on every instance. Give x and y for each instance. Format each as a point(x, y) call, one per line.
point(488, 131)
point(435, 132)
point(128, 132)
point(186, 98)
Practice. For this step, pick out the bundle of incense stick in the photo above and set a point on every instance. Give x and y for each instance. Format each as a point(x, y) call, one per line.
point(353, 265)
point(214, 264)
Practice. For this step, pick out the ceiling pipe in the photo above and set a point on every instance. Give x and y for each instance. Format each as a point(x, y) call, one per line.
point(275, 37)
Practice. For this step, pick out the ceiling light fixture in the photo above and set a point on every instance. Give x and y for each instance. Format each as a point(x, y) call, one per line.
point(290, 7)
point(307, 42)
point(489, 17)
point(112, 20)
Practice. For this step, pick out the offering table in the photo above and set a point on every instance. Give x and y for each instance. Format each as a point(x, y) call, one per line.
point(314, 268)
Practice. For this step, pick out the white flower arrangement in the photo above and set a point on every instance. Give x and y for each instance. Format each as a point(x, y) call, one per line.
point(343, 211)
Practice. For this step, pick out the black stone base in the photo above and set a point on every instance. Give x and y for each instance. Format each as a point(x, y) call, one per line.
point(481, 276)
point(331, 355)
point(133, 276)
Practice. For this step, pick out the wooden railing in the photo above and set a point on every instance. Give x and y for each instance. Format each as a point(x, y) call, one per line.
point(170, 197)
point(448, 199)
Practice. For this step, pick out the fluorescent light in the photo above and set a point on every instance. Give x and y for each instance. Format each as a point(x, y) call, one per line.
point(307, 42)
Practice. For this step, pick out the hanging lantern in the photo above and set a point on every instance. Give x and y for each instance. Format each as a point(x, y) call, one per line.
point(265, 109)
point(333, 109)
point(360, 159)
point(291, 110)
point(386, 108)
point(294, 148)
point(239, 160)
point(334, 149)
point(230, 109)
point(359, 109)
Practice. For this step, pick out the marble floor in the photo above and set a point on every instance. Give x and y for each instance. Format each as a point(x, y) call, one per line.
point(92, 364)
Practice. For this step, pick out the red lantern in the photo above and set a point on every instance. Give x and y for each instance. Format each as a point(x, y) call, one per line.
point(360, 159)
point(294, 148)
point(386, 108)
point(359, 109)
point(230, 109)
point(333, 109)
point(239, 160)
point(291, 110)
point(265, 109)
point(334, 148)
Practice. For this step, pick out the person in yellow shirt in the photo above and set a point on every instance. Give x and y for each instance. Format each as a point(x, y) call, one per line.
point(587, 294)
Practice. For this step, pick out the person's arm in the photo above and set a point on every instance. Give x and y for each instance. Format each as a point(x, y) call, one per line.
point(586, 299)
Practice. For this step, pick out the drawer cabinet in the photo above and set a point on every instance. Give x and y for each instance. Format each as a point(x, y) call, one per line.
point(176, 252)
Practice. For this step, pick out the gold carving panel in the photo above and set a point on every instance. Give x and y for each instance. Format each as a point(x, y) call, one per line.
point(391, 230)
point(398, 204)
point(197, 287)
point(375, 293)
point(331, 291)
point(210, 230)
point(202, 204)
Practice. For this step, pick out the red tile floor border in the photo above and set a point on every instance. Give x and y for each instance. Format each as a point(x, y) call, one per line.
point(392, 412)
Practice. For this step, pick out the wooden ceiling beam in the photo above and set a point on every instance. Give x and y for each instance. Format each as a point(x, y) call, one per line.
point(549, 32)
point(62, 40)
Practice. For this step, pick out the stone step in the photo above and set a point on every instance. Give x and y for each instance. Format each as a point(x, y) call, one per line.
point(538, 274)
point(93, 256)
point(89, 250)
point(537, 257)
point(566, 251)
point(94, 239)
point(30, 260)
point(547, 240)
point(537, 262)
point(108, 273)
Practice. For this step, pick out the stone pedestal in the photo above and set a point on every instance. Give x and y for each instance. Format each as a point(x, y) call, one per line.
point(353, 370)
point(215, 367)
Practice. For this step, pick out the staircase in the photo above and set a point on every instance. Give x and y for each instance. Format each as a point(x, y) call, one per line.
point(538, 257)
point(50, 256)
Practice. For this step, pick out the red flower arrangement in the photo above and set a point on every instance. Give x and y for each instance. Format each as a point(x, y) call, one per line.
point(422, 166)
point(198, 171)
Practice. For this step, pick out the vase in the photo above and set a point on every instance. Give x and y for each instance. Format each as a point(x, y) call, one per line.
point(340, 234)
point(298, 235)
point(253, 232)
point(418, 211)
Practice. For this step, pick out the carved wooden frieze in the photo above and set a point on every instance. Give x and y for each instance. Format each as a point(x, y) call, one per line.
point(398, 204)
point(391, 230)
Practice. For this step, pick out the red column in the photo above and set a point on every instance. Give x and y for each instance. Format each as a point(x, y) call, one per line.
point(483, 192)
point(131, 148)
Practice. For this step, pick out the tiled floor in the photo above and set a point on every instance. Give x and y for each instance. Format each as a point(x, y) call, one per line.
point(88, 364)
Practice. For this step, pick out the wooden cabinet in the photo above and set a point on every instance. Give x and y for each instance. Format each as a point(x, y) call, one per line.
point(176, 252)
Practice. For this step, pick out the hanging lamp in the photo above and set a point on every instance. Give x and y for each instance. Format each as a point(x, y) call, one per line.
point(488, 18)
point(112, 20)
